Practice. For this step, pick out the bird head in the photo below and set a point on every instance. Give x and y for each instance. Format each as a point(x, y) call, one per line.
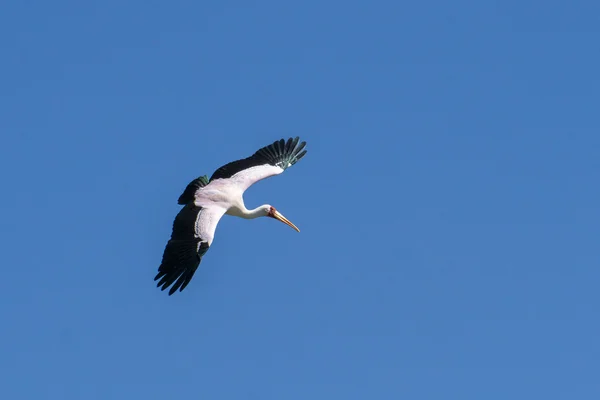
point(273, 213)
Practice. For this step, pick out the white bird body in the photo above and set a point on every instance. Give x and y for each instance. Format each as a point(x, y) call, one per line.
point(206, 201)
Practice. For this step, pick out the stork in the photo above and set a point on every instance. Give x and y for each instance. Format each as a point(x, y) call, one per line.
point(205, 201)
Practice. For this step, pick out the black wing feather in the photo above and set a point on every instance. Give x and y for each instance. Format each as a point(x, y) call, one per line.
point(189, 193)
point(279, 153)
point(183, 252)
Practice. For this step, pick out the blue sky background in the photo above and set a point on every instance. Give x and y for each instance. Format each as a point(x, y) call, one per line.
point(448, 204)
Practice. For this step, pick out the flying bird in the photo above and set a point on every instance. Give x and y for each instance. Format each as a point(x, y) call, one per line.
point(205, 201)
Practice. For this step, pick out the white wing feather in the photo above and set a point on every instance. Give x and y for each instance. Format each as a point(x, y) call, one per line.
point(248, 177)
point(207, 221)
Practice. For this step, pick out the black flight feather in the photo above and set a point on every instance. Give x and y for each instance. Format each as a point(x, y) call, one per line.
point(190, 191)
point(183, 252)
point(280, 153)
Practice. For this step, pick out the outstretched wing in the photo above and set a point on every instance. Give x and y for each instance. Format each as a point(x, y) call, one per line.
point(193, 232)
point(267, 161)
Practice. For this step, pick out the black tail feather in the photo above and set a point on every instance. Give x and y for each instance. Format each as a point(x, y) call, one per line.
point(189, 193)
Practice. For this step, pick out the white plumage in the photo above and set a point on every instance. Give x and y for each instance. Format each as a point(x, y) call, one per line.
point(206, 201)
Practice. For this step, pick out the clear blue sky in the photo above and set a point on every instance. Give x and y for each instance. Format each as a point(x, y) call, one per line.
point(448, 203)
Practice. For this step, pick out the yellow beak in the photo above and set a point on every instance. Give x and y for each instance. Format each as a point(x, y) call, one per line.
point(277, 215)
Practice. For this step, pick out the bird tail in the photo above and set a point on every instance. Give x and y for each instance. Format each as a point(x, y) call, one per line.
point(189, 193)
point(180, 261)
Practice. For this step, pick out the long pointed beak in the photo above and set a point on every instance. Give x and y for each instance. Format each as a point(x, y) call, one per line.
point(277, 215)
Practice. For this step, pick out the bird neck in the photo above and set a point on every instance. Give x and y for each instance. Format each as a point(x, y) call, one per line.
point(251, 214)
